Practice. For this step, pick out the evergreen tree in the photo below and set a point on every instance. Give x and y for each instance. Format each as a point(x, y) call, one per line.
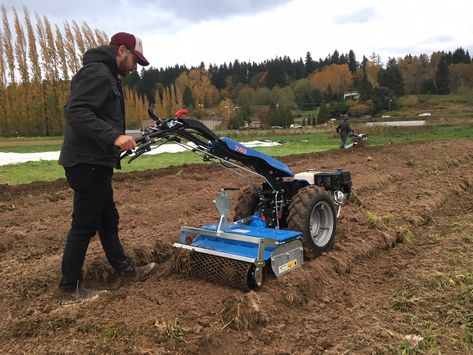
point(132, 80)
point(383, 99)
point(352, 64)
point(365, 88)
point(335, 59)
point(391, 77)
point(218, 75)
point(339, 109)
point(188, 99)
point(276, 74)
point(299, 69)
point(427, 87)
point(324, 113)
point(441, 77)
point(310, 65)
point(328, 95)
point(459, 56)
point(364, 64)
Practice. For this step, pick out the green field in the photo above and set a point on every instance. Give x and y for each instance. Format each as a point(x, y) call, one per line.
point(293, 143)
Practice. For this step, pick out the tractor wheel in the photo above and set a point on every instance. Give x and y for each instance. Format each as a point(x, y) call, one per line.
point(246, 203)
point(313, 213)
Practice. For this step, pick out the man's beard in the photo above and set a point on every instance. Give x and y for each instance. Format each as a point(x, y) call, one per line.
point(123, 68)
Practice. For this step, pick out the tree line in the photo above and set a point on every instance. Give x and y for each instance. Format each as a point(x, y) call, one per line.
point(303, 84)
point(37, 61)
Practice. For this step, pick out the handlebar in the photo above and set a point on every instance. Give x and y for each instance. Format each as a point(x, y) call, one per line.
point(207, 144)
point(171, 130)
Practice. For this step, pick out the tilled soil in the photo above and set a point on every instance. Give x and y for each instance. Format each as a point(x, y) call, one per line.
point(400, 267)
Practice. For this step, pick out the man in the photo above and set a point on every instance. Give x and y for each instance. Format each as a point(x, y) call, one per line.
point(94, 136)
point(343, 128)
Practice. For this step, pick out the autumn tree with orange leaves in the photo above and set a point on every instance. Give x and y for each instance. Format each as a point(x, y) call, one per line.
point(336, 76)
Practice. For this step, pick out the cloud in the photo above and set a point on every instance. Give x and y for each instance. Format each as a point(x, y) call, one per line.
point(363, 15)
point(441, 39)
point(156, 16)
point(214, 9)
point(216, 31)
point(189, 10)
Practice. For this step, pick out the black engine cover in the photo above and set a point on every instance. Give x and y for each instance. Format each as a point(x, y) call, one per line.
point(333, 180)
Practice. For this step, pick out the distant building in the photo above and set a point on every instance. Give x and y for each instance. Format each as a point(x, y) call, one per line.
point(354, 95)
point(255, 122)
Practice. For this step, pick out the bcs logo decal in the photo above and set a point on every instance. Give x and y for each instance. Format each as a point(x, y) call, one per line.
point(240, 149)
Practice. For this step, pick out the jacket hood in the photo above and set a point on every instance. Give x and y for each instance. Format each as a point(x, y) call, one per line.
point(102, 54)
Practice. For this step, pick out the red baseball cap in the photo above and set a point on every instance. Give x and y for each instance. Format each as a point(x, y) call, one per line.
point(132, 43)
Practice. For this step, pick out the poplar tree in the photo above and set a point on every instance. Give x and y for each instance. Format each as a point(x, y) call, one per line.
point(79, 38)
point(89, 38)
point(101, 36)
point(10, 85)
point(61, 52)
point(70, 48)
point(3, 92)
point(45, 84)
point(23, 115)
point(32, 51)
point(7, 45)
point(36, 101)
point(21, 50)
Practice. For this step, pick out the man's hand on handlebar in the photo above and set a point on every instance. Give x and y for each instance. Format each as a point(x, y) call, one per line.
point(125, 143)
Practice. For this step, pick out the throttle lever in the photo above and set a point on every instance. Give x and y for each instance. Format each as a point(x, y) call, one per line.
point(146, 147)
point(125, 154)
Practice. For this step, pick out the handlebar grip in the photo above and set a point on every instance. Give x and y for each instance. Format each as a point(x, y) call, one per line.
point(140, 140)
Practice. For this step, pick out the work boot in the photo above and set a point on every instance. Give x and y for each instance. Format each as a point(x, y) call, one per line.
point(80, 295)
point(137, 273)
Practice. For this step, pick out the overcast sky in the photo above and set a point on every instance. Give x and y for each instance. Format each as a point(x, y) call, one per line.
point(188, 32)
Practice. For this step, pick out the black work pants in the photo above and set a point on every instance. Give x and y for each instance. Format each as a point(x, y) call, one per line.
point(343, 137)
point(94, 210)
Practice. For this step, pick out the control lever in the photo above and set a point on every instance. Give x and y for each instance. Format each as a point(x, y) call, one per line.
point(146, 147)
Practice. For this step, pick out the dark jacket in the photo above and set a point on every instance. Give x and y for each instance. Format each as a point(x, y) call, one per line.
point(343, 128)
point(94, 112)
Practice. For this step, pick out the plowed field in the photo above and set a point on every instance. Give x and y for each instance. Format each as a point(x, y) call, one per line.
point(399, 278)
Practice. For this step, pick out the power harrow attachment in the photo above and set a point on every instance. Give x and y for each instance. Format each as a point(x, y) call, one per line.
point(236, 253)
point(288, 218)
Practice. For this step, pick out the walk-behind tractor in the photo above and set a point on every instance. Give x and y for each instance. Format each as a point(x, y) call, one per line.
point(356, 139)
point(286, 219)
